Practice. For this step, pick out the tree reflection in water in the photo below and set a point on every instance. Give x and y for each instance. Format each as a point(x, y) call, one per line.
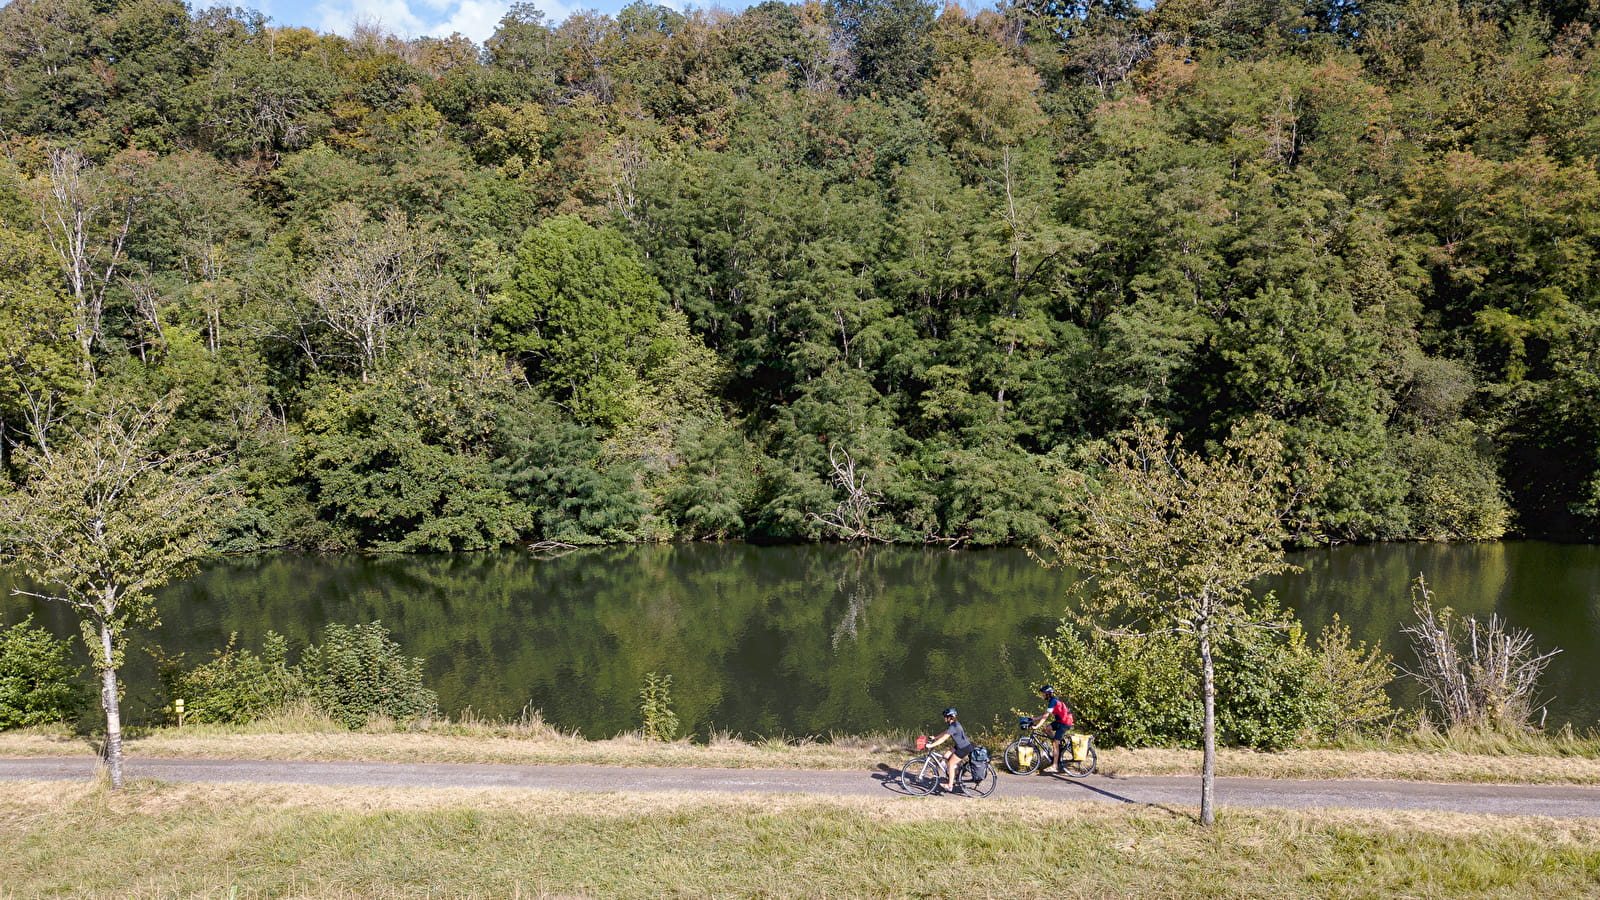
point(799, 640)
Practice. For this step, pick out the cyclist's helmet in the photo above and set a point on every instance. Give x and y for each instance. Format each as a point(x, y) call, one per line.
point(950, 712)
point(1047, 689)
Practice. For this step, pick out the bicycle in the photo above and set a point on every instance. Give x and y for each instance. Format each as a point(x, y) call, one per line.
point(923, 775)
point(1029, 753)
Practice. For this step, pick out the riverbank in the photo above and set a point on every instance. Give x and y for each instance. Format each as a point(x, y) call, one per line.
point(1545, 760)
point(237, 841)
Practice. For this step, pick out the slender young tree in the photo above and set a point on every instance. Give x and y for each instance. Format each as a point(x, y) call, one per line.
point(104, 520)
point(1171, 541)
point(87, 213)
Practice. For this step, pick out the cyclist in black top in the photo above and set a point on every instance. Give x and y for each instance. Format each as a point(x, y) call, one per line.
point(961, 746)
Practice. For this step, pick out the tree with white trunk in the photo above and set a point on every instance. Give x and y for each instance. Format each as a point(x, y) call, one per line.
point(103, 520)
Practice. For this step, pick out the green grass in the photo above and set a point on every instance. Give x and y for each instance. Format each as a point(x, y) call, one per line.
point(153, 840)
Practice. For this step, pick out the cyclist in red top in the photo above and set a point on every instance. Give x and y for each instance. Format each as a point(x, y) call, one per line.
point(1059, 718)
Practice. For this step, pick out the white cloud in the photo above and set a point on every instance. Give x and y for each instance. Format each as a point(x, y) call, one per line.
point(394, 15)
point(475, 19)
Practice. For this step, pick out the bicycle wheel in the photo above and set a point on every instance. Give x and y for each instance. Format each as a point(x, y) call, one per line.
point(920, 776)
point(1077, 768)
point(1020, 763)
point(984, 786)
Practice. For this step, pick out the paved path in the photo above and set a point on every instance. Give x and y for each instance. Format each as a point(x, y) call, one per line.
point(1544, 800)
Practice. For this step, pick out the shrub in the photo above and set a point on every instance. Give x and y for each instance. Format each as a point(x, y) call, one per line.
point(1131, 691)
point(234, 686)
point(358, 672)
point(1350, 684)
point(655, 707)
point(1273, 690)
point(37, 685)
point(1268, 697)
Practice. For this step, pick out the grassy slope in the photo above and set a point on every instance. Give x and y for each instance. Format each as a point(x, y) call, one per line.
point(160, 840)
point(166, 840)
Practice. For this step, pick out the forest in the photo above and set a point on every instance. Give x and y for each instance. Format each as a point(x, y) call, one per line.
point(864, 270)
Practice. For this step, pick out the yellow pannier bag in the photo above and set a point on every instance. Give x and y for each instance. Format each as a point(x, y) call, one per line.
point(1080, 746)
point(1025, 756)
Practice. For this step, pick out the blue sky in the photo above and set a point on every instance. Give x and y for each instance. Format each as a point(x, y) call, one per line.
point(435, 18)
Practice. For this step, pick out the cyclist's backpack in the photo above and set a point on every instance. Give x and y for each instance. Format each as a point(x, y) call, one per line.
point(1063, 712)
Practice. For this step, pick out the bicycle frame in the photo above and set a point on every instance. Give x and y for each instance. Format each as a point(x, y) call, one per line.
point(1035, 750)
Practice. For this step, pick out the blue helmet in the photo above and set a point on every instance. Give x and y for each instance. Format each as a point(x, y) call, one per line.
point(950, 712)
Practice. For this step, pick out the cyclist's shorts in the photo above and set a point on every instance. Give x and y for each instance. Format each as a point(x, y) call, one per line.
point(965, 753)
point(1058, 732)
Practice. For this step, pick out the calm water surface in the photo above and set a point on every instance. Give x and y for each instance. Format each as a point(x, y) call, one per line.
point(799, 640)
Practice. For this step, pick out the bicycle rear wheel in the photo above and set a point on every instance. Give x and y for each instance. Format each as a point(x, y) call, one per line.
point(920, 776)
point(1023, 756)
point(1077, 768)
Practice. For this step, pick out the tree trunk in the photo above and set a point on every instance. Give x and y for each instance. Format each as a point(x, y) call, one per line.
point(1208, 732)
point(108, 700)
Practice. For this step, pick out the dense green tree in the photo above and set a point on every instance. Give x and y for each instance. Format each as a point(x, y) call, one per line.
point(711, 493)
point(50, 49)
point(889, 42)
point(402, 462)
point(41, 365)
point(580, 312)
point(523, 42)
point(939, 242)
point(266, 93)
point(152, 60)
point(557, 469)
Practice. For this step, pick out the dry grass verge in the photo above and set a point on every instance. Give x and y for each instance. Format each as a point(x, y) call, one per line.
point(455, 744)
point(244, 841)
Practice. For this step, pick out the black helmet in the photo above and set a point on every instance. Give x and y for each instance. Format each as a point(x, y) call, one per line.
point(950, 712)
point(1047, 689)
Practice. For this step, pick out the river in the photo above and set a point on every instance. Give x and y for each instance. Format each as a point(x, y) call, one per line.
point(804, 640)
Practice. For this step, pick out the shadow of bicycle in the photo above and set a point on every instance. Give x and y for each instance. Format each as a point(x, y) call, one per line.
point(888, 778)
point(1083, 784)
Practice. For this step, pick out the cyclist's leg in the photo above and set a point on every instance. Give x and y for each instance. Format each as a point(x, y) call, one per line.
point(1059, 733)
point(951, 764)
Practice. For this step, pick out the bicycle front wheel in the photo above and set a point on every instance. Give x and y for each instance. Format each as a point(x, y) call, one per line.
point(920, 776)
point(1077, 768)
point(983, 785)
point(1023, 756)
